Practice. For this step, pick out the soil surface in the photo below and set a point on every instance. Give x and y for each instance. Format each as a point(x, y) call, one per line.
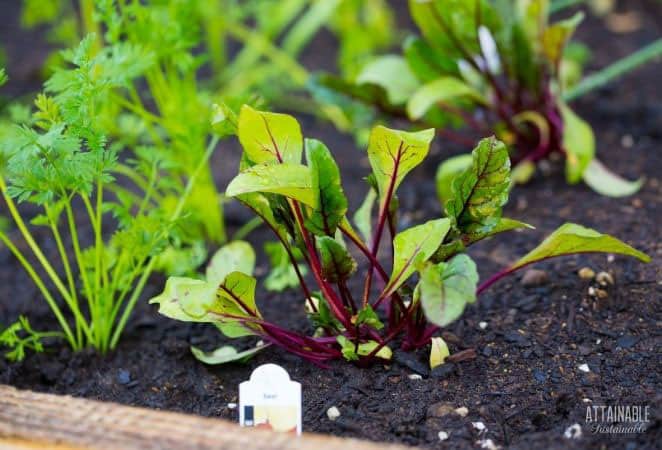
point(526, 384)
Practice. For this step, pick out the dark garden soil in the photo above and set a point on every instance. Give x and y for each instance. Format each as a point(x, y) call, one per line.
point(524, 383)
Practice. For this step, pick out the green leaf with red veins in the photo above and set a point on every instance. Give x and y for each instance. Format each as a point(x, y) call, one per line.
point(337, 263)
point(269, 138)
point(352, 352)
point(393, 154)
point(504, 224)
point(191, 300)
point(327, 190)
point(570, 239)
point(446, 173)
point(368, 316)
point(413, 247)
point(236, 299)
point(482, 189)
point(290, 180)
point(446, 288)
point(179, 297)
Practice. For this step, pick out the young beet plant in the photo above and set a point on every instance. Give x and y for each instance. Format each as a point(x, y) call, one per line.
point(306, 208)
point(496, 68)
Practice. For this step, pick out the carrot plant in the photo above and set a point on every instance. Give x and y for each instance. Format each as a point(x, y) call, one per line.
point(496, 67)
point(61, 167)
point(411, 282)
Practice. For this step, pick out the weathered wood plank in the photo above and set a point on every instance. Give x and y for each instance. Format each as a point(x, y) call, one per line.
point(30, 420)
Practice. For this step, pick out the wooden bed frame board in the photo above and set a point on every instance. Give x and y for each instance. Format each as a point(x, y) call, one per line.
point(30, 420)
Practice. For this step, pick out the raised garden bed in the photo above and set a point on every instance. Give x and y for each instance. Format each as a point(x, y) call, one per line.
point(524, 383)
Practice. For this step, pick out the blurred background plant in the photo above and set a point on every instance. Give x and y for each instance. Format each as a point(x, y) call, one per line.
point(495, 67)
point(198, 52)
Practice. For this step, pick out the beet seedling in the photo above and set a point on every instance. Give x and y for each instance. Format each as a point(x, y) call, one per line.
point(495, 68)
point(306, 208)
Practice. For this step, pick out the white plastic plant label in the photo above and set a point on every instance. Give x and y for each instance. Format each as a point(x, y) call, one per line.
point(270, 400)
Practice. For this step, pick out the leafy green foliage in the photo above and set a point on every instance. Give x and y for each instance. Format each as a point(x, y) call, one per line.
point(446, 288)
point(225, 354)
point(447, 171)
point(327, 190)
point(607, 183)
point(482, 189)
point(283, 274)
point(393, 154)
point(579, 142)
point(391, 73)
point(59, 160)
point(439, 90)
point(413, 247)
point(315, 227)
point(336, 262)
point(572, 238)
point(493, 67)
point(291, 180)
point(269, 137)
point(225, 297)
point(20, 337)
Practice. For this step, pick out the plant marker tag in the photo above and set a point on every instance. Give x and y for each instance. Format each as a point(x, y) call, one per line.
point(270, 400)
